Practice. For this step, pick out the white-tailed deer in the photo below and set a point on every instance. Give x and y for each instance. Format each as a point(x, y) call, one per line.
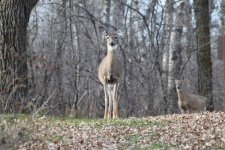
point(189, 103)
point(110, 73)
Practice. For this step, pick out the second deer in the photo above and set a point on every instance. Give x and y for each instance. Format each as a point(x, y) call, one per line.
point(189, 103)
point(110, 73)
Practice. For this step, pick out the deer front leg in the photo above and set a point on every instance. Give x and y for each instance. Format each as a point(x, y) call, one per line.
point(115, 102)
point(106, 102)
point(110, 101)
point(182, 111)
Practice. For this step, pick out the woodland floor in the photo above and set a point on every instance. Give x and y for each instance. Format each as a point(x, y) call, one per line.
point(190, 131)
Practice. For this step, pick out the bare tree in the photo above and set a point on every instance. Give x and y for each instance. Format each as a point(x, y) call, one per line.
point(221, 21)
point(151, 29)
point(13, 53)
point(201, 8)
point(187, 29)
point(219, 96)
point(57, 102)
point(107, 11)
point(167, 29)
point(175, 58)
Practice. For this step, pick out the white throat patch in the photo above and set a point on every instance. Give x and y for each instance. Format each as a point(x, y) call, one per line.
point(112, 48)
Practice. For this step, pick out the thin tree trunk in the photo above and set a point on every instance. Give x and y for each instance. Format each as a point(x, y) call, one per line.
point(131, 42)
point(202, 17)
point(175, 58)
point(167, 28)
point(221, 22)
point(76, 66)
point(107, 11)
point(60, 106)
point(13, 53)
point(221, 31)
point(188, 29)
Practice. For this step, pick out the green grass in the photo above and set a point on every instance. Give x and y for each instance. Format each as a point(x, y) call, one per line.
point(153, 147)
point(131, 133)
point(15, 129)
point(137, 122)
point(56, 138)
point(12, 117)
point(162, 146)
point(136, 139)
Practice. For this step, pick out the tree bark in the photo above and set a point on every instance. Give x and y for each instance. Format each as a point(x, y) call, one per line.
point(59, 108)
point(13, 53)
point(175, 58)
point(221, 21)
point(167, 28)
point(221, 32)
point(187, 29)
point(202, 17)
point(107, 11)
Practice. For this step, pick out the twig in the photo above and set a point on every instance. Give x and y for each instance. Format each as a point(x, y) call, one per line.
point(44, 104)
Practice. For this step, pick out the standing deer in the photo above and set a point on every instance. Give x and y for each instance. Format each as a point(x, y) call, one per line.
point(189, 103)
point(110, 73)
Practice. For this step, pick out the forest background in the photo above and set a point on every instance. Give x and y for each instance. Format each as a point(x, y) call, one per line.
point(51, 50)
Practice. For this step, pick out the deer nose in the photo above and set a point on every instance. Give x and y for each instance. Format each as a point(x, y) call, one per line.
point(112, 44)
point(178, 87)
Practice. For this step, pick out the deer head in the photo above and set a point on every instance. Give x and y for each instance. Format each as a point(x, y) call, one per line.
point(111, 38)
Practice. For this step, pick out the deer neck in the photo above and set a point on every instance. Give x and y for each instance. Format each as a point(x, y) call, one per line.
point(110, 57)
point(180, 95)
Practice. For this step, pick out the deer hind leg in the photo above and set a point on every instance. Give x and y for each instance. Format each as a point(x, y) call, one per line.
point(106, 101)
point(115, 102)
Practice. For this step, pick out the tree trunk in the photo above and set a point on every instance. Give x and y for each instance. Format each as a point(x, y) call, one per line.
point(202, 17)
point(58, 101)
point(107, 11)
point(76, 47)
point(221, 31)
point(187, 29)
point(13, 53)
point(221, 22)
point(175, 59)
point(167, 28)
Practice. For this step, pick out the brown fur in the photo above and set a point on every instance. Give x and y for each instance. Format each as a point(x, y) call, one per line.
point(189, 103)
point(110, 74)
point(110, 70)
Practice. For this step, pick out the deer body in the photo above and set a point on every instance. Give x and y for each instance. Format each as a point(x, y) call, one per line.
point(189, 103)
point(110, 74)
point(110, 69)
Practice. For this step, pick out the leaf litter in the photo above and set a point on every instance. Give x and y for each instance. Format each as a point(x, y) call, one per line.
point(178, 131)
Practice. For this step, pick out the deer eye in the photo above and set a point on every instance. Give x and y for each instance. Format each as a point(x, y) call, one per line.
point(115, 37)
point(107, 37)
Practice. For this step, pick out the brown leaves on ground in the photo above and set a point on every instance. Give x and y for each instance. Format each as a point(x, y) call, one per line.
point(188, 131)
point(194, 131)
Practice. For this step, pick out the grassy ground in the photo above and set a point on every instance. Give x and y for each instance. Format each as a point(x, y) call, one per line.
point(192, 131)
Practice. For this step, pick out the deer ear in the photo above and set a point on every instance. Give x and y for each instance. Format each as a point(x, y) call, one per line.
point(119, 32)
point(103, 31)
